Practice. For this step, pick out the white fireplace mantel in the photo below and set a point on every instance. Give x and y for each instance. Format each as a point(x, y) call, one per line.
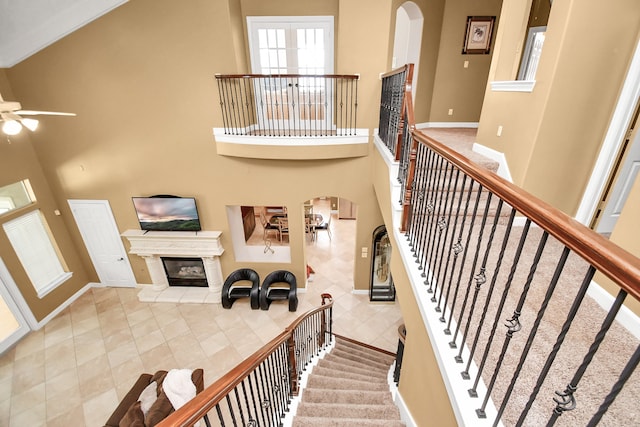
point(153, 245)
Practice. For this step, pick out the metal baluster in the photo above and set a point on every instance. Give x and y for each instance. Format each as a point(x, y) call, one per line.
point(251, 421)
point(480, 280)
point(514, 323)
point(255, 397)
point(464, 249)
point(418, 207)
point(444, 226)
point(452, 344)
point(454, 248)
point(492, 285)
point(267, 110)
point(631, 365)
point(231, 411)
point(251, 104)
point(566, 400)
point(498, 315)
point(432, 221)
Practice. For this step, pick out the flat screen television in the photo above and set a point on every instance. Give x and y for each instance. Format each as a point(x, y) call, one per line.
point(167, 213)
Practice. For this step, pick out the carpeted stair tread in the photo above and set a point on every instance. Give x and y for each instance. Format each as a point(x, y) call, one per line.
point(332, 383)
point(342, 422)
point(338, 365)
point(329, 372)
point(343, 410)
point(356, 362)
point(322, 395)
point(366, 354)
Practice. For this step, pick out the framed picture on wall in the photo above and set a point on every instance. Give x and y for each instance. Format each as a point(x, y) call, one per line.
point(477, 37)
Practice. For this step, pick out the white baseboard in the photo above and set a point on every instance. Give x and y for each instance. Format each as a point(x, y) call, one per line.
point(360, 291)
point(425, 125)
point(503, 169)
point(405, 414)
point(65, 304)
point(625, 317)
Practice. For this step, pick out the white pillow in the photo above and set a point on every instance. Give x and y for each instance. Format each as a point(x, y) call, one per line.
point(148, 396)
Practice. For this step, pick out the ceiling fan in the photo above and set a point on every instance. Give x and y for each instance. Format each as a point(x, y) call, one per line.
point(11, 114)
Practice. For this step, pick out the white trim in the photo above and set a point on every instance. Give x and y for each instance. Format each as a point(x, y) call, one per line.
point(470, 125)
point(405, 414)
point(361, 137)
point(513, 86)
point(360, 291)
point(618, 126)
point(503, 168)
point(627, 318)
point(44, 290)
point(64, 305)
point(13, 289)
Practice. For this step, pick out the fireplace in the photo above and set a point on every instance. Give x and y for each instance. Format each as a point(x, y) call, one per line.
point(201, 249)
point(185, 271)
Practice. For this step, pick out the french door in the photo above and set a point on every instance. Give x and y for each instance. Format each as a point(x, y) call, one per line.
point(292, 45)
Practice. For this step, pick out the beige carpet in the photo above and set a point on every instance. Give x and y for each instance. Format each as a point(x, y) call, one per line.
point(348, 387)
point(615, 351)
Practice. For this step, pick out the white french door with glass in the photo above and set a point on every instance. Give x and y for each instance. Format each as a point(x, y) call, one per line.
point(292, 45)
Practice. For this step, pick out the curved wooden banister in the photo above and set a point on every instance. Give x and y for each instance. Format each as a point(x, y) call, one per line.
point(283, 76)
point(619, 265)
point(204, 401)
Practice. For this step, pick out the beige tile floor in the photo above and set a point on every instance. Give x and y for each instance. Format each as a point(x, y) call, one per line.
point(73, 371)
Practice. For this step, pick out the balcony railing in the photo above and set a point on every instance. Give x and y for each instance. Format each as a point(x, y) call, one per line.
point(258, 391)
point(503, 279)
point(289, 105)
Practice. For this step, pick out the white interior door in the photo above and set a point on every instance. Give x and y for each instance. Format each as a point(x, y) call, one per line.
point(13, 324)
point(104, 244)
point(627, 176)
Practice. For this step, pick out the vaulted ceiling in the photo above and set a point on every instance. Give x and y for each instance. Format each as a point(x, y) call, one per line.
point(29, 26)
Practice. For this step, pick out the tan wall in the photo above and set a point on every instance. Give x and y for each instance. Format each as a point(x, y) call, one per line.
point(141, 80)
point(19, 161)
point(552, 136)
point(626, 234)
point(455, 87)
point(420, 379)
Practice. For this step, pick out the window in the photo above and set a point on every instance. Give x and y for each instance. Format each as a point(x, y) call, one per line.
point(536, 29)
point(31, 239)
point(291, 45)
point(15, 196)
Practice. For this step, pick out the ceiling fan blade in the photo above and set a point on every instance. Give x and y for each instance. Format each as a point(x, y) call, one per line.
point(45, 113)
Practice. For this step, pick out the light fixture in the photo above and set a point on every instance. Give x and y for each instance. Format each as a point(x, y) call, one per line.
point(11, 127)
point(31, 124)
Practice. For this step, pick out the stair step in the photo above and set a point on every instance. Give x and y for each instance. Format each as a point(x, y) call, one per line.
point(343, 422)
point(360, 360)
point(329, 372)
point(332, 383)
point(321, 395)
point(365, 352)
point(342, 410)
point(338, 365)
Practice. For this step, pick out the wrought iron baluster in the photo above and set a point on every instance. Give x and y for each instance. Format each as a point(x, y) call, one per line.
point(432, 222)
point(565, 400)
point(505, 241)
point(476, 254)
point(631, 365)
point(560, 339)
point(505, 293)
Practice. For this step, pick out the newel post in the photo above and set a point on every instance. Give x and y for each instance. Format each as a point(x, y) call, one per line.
point(293, 368)
point(323, 320)
point(406, 199)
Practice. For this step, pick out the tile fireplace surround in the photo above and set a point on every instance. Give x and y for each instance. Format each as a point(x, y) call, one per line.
point(153, 245)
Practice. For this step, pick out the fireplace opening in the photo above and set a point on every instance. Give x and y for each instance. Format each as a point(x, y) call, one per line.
point(185, 271)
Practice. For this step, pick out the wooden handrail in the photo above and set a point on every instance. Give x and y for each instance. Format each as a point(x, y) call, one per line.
point(204, 401)
point(616, 263)
point(283, 76)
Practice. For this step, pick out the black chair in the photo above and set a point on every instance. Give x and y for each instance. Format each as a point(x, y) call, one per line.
point(231, 290)
point(279, 285)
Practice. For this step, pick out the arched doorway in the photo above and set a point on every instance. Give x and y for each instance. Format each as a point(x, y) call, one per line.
point(408, 39)
point(330, 254)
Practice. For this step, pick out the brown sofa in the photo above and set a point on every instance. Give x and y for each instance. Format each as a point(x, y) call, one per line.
point(161, 409)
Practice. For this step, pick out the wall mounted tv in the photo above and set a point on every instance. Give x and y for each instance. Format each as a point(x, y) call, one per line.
point(167, 213)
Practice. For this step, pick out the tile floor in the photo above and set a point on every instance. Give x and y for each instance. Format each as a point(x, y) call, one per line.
point(73, 371)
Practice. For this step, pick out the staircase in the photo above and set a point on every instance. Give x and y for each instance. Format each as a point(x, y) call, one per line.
point(348, 387)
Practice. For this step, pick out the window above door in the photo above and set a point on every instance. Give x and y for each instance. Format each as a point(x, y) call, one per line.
point(291, 44)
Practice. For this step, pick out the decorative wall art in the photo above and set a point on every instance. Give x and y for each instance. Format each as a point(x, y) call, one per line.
point(477, 38)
